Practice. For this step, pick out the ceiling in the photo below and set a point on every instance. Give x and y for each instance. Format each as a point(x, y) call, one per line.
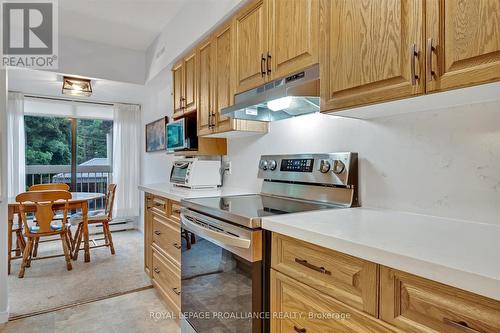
point(132, 24)
point(44, 83)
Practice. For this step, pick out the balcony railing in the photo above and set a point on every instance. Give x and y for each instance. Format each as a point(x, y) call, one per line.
point(89, 178)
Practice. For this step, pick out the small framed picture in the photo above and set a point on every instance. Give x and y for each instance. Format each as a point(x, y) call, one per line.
point(156, 135)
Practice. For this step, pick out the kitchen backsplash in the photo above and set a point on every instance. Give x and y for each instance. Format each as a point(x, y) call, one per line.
point(442, 162)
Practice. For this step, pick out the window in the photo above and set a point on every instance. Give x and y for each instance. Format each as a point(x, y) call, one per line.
point(68, 149)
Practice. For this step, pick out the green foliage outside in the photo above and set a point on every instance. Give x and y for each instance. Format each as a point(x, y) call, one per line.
point(48, 140)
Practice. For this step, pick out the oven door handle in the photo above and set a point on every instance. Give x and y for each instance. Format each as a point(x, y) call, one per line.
point(214, 235)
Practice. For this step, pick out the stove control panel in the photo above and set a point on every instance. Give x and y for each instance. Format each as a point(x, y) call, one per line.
point(330, 169)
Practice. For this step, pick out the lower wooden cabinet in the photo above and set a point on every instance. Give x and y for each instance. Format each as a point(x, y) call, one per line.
point(349, 279)
point(418, 305)
point(297, 308)
point(162, 248)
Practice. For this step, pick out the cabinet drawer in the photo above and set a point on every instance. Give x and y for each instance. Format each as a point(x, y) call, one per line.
point(306, 310)
point(419, 305)
point(167, 236)
point(167, 278)
point(350, 280)
point(159, 205)
point(175, 211)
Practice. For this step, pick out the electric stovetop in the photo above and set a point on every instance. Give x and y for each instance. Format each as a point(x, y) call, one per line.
point(247, 210)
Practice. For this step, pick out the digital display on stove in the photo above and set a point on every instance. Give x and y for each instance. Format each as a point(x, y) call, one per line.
point(297, 165)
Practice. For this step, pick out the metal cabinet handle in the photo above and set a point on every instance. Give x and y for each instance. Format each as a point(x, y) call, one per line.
point(268, 63)
point(413, 57)
point(176, 291)
point(157, 204)
point(430, 49)
point(157, 271)
point(157, 233)
point(177, 246)
point(299, 330)
point(214, 120)
point(209, 120)
point(321, 270)
point(176, 211)
point(262, 61)
point(460, 325)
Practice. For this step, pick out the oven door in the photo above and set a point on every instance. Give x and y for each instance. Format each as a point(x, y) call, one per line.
point(179, 173)
point(221, 276)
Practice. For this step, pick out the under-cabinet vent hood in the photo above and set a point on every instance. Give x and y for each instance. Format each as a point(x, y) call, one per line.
point(292, 96)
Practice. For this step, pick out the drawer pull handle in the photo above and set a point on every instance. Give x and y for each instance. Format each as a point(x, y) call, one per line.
point(177, 211)
point(157, 233)
point(460, 325)
point(299, 330)
point(157, 271)
point(177, 246)
point(176, 291)
point(322, 270)
point(157, 204)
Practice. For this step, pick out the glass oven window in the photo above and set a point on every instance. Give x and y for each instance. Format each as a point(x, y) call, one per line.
point(217, 281)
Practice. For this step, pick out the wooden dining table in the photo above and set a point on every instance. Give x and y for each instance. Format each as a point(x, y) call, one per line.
point(79, 200)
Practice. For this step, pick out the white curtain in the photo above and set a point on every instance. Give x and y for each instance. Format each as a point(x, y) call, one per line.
point(126, 161)
point(16, 169)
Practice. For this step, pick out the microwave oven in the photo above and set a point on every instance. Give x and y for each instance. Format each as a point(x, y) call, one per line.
point(181, 135)
point(194, 173)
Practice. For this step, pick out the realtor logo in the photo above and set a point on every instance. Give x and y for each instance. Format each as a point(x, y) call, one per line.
point(29, 33)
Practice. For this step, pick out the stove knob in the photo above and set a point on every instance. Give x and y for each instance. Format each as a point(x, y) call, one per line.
point(324, 166)
point(263, 165)
point(272, 164)
point(338, 167)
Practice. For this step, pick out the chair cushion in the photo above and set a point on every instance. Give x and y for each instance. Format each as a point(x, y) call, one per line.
point(54, 226)
point(95, 215)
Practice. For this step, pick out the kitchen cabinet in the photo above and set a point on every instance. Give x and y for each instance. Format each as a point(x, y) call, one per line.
point(184, 85)
point(293, 36)
point(307, 310)
point(224, 90)
point(250, 43)
point(162, 247)
point(370, 51)
point(462, 43)
point(205, 88)
point(274, 38)
point(419, 305)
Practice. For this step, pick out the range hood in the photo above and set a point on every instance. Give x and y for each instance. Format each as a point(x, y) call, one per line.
point(292, 96)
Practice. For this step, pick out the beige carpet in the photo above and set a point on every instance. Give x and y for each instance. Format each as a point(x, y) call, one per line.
point(47, 283)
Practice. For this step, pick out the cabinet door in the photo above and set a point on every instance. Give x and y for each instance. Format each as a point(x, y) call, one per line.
point(293, 36)
point(367, 51)
point(190, 82)
point(205, 89)
point(177, 84)
point(463, 38)
point(224, 90)
point(250, 41)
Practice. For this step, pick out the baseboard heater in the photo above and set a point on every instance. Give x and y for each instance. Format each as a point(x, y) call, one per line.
point(115, 225)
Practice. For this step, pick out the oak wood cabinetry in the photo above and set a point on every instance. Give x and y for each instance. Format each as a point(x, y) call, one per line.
point(419, 305)
point(371, 51)
point(162, 247)
point(273, 38)
point(308, 279)
point(215, 86)
point(184, 85)
point(463, 43)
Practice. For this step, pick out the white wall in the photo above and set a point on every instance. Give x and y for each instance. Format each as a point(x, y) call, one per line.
point(3, 204)
point(444, 162)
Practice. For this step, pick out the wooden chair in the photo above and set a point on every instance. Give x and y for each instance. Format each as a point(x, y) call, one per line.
point(99, 216)
point(46, 226)
point(50, 187)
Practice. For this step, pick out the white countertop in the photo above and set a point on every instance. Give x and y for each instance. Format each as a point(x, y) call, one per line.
point(459, 253)
point(169, 191)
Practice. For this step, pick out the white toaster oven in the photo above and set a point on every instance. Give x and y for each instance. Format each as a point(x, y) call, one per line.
point(195, 173)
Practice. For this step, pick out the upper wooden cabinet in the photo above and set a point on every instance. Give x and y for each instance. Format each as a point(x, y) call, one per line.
point(184, 85)
point(370, 51)
point(463, 43)
point(224, 89)
point(293, 36)
point(205, 89)
point(274, 38)
point(250, 42)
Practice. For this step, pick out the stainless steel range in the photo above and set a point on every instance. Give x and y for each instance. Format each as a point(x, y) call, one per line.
point(225, 271)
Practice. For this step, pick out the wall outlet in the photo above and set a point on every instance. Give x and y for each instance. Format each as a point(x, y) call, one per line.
point(228, 168)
